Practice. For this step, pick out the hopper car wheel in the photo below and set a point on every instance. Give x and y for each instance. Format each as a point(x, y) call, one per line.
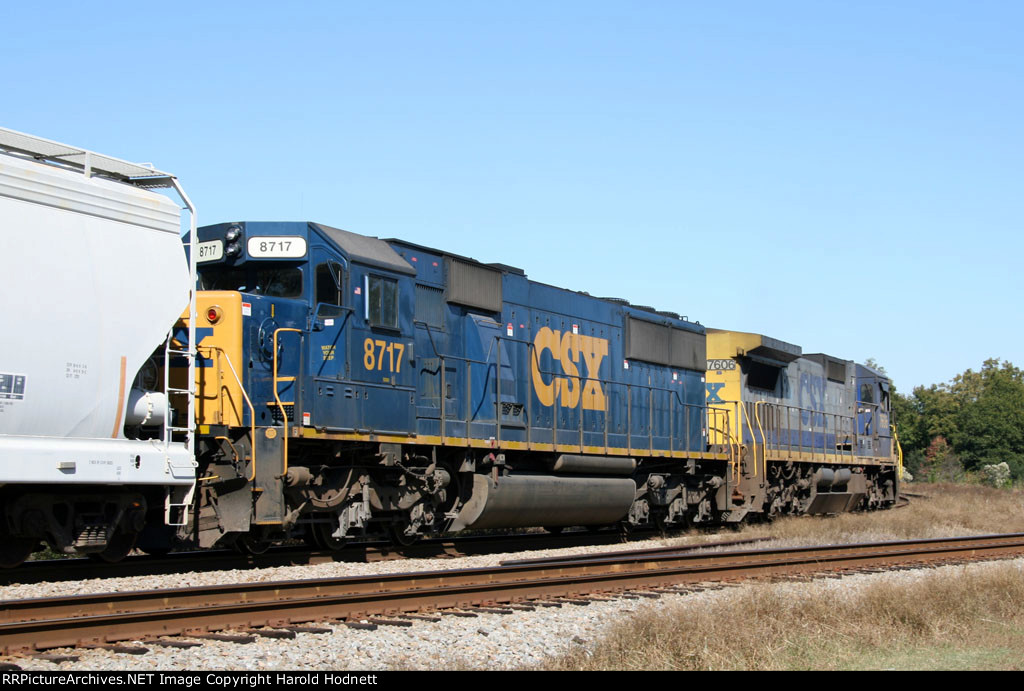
point(156, 551)
point(322, 538)
point(118, 547)
point(15, 550)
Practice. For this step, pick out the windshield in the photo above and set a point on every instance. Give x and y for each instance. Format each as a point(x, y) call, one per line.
point(264, 279)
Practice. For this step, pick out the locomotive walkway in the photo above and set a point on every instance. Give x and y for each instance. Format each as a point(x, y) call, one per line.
point(287, 605)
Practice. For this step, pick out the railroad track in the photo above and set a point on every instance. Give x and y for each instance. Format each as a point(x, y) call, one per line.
point(74, 569)
point(77, 569)
point(105, 619)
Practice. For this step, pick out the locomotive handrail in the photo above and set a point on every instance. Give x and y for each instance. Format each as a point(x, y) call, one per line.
point(899, 453)
point(650, 388)
point(241, 387)
point(842, 428)
point(753, 439)
point(764, 440)
point(277, 398)
point(673, 396)
point(731, 439)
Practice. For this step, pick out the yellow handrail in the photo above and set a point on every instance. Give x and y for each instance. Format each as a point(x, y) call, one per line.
point(277, 397)
point(764, 441)
point(726, 433)
point(753, 439)
point(252, 410)
point(899, 454)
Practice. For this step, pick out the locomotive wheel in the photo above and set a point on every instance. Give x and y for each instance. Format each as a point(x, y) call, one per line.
point(322, 538)
point(665, 528)
point(397, 533)
point(254, 542)
point(118, 547)
point(309, 538)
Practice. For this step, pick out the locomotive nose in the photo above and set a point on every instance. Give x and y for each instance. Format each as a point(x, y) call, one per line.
point(219, 367)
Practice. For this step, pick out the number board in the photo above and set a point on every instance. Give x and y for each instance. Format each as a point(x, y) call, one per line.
point(276, 247)
point(383, 356)
point(721, 364)
point(210, 251)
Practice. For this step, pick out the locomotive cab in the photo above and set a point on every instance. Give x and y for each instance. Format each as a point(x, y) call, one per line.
point(873, 409)
point(301, 327)
point(308, 299)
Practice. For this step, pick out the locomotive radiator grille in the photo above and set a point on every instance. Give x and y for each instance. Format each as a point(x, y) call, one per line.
point(511, 409)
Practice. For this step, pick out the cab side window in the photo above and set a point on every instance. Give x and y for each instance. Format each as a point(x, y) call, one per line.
point(866, 395)
point(329, 281)
point(382, 302)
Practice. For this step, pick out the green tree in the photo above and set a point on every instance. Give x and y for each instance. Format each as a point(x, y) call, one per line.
point(976, 419)
point(938, 409)
point(990, 418)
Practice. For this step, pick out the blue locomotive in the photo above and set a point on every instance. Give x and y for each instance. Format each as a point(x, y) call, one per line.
point(326, 385)
point(351, 386)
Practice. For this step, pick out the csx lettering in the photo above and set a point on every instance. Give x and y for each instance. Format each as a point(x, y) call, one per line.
point(713, 396)
point(566, 348)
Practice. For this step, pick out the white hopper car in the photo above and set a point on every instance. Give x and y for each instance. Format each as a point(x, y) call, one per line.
point(95, 278)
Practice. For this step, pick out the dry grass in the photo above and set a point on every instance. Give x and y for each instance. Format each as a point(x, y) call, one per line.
point(954, 618)
point(972, 620)
point(948, 510)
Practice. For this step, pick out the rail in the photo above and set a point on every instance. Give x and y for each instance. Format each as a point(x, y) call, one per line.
point(44, 623)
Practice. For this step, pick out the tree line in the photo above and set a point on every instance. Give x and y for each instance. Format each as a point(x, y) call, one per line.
point(975, 420)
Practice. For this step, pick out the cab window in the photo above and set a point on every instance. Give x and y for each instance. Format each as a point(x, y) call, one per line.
point(270, 280)
point(279, 283)
point(329, 280)
point(382, 302)
point(223, 279)
point(866, 394)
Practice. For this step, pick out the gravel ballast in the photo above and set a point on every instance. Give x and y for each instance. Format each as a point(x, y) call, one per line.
point(486, 641)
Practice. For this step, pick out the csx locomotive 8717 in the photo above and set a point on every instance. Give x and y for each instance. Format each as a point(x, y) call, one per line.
point(385, 387)
point(333, 386)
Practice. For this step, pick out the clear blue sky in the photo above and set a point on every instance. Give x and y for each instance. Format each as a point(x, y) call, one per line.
point(846, 176)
